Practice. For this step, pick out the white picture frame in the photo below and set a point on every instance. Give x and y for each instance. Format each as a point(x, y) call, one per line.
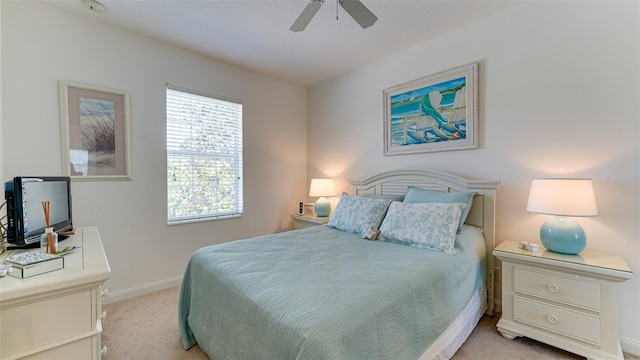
point(309, 210)
point(95, 132)
point(435, 113)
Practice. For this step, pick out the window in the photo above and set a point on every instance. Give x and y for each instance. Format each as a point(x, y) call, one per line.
point(204, 156)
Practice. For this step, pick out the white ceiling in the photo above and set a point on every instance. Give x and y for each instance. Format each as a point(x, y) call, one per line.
point(255, 35)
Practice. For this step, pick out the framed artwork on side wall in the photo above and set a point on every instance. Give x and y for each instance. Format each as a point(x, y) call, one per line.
point(435, 113)
point(95, 132)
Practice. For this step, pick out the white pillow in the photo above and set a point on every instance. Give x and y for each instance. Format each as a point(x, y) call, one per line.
point(357, 214)
point(423, 225)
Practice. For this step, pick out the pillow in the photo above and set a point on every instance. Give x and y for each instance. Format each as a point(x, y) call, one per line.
point(394, 197)
point(357, 214)
point(416, 195)
point(423, 225)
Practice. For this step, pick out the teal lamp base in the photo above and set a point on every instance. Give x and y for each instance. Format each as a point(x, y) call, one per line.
point(323, 207)
point(563, 235)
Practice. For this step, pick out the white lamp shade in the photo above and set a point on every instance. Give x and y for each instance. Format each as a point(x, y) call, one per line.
point(565, 197)
point(322, 187)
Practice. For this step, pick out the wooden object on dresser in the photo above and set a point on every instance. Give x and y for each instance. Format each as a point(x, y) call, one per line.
point(301, 222)
point(567, 301)
point(57, 315)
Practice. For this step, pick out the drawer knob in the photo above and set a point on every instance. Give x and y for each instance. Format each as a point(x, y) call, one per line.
point(553, 288)
point(552, 319)
point(103, 316)
point(104, 293)
point(103, 351)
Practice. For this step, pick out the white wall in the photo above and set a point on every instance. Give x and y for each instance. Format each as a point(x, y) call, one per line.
point(42, 44)
point(558, 96)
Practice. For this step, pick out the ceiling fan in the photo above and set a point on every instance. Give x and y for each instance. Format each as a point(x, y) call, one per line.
point(355, 8)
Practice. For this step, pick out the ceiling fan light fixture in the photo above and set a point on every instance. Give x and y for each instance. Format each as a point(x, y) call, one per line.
point(93, 5)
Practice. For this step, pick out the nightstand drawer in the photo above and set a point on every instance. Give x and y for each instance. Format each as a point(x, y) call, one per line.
point(565, 289)
point(297, 225)
point(566, 322)
point(303, 222)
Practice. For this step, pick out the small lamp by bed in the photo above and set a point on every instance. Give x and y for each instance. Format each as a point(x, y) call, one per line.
point(562, 198)
point(322, 188)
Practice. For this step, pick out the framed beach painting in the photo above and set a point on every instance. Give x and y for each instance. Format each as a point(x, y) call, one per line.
point(434, 113)
point(95, 132)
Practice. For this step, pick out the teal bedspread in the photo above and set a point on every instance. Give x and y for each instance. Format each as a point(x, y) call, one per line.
point(321, 293)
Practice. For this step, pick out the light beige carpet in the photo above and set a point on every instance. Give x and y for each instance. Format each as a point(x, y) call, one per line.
point(146, 327)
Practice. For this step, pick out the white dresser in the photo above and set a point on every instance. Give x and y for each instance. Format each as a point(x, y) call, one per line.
point(568, 301)
point(57, 315)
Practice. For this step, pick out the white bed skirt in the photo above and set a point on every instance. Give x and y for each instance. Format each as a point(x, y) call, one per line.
point(457, 333)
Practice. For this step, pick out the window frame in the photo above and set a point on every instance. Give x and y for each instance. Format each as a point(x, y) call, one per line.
point(237, 157)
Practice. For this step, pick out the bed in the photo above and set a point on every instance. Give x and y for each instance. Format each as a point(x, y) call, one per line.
point(328, 293)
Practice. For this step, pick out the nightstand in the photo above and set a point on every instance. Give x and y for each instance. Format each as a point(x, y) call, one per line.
point(301, 222)
point(567, 301)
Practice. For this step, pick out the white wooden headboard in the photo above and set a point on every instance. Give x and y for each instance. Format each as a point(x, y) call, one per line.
point(482, 213)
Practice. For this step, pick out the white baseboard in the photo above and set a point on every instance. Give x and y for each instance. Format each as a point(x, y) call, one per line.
point(141, 290)
point(630, 346)
point(497, 306)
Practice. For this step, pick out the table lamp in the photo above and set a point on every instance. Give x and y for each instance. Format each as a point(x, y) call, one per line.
point(562, 198)
point(322, 188)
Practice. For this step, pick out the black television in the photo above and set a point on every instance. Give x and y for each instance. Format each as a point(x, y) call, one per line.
point(25, 216)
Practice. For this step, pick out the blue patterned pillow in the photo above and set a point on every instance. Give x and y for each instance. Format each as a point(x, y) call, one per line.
point(417, 195)
point(423, 225)
point(357, 214)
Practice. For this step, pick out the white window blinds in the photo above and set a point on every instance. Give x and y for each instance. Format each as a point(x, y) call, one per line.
point(204, 156)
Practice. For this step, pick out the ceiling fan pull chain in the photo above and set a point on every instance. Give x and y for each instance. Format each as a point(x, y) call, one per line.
point(337, 2)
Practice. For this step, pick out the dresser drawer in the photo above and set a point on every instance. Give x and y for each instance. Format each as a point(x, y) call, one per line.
point(37, 324)
point(581, 292)
point(75, 350)
point(562, 321)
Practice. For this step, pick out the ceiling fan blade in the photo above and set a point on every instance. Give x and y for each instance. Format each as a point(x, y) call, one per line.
point(359, 12)
point(307, 14)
